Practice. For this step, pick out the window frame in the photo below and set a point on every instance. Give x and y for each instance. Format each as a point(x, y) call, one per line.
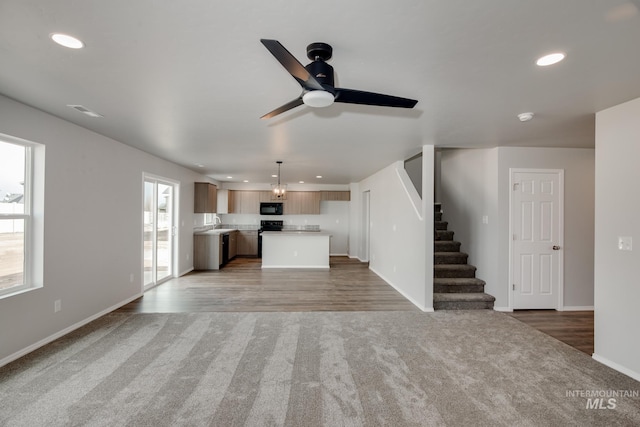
point(31, 273)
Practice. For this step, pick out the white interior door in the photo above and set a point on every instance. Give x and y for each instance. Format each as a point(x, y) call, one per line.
point(537, 229)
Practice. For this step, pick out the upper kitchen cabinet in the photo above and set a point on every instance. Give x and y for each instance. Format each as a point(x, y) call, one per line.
point(302, 202)
point(205, 198)
point(244, 202)
point(335, 195)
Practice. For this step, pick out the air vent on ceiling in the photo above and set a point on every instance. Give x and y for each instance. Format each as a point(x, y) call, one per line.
point(84, 110)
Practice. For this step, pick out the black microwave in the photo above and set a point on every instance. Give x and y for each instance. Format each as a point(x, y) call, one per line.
point(271, 208)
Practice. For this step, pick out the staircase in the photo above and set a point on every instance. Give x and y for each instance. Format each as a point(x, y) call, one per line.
point(455, 286)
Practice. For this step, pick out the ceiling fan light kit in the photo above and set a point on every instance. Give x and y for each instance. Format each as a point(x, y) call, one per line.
point(317, 81)
point(318, 98)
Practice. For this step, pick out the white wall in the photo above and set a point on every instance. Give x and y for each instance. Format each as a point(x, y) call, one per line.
point(476, 183)
point(617, 279)
point(93, 226)
point(401, 249)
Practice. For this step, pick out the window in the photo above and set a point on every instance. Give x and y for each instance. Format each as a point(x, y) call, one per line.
point(18, 230)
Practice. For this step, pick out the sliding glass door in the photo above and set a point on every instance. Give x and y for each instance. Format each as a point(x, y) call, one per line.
point(159, 230)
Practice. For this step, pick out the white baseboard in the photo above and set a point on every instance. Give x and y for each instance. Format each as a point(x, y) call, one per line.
point(578, 308)
point(414, 302)
point(64, 332)
point(613, 365)
point(503, 309)
point(347, 255)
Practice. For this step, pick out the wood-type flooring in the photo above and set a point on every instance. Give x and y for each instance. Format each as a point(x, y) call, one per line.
point(348, 286)
point(571, 327)
point(242, 285)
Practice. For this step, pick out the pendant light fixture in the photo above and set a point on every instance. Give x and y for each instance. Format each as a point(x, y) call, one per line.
point(279, 191)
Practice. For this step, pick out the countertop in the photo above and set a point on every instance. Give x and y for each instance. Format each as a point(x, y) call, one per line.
point(296, 233)
point(216, 231)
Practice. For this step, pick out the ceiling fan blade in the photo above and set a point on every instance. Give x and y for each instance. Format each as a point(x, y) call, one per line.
point(286, 107)
point(350, 96)
point(291, 64)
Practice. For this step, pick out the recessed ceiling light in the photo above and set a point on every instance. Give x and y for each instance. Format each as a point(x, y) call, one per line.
point(229, 177)
point(525, 117)
point(300, 182)
point(246, 180)
point(552, 58)
point(318, 176)
point(67, 41)
point(274, 176)
point(200, 165)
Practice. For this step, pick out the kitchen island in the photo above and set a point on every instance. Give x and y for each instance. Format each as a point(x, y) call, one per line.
point(295, 249)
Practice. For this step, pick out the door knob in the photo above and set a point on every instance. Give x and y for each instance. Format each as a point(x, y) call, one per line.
point(556, 248)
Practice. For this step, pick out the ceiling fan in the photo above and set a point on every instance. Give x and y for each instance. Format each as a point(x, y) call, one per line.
point(317, 83)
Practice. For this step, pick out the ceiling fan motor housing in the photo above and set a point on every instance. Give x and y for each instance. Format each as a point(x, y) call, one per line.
point(323, 73)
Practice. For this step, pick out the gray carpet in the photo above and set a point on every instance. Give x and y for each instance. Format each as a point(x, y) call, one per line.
point(468, 368)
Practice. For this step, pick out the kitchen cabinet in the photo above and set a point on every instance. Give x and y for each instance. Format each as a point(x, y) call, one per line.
point(233, 244)
point(335, 195)
point(205, 198)
point(302, 202)
point(248, 242)
point(244, 202)
point(209, 248)
point(265, 196)
point(207, 253)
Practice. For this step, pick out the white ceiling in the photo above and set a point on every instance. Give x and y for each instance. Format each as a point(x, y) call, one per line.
point(188, 80)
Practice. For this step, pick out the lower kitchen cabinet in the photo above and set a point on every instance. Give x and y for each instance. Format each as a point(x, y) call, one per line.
point(207, 252)
point(248, 242)
point(213, 250)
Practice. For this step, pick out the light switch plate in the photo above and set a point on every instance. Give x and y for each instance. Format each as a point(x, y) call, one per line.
point(625, 243)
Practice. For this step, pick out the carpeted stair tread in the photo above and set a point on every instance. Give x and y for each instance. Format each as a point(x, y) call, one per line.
point(456, 281)
point(441, 225)
point(450, 257)
point(454, 270)
point(437, 216)
point(446, 246)
point(457, 285)
point(444, 235)
point(462, 301)
point(475, 296)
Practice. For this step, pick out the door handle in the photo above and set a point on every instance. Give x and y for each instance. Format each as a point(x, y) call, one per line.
point(556, 248)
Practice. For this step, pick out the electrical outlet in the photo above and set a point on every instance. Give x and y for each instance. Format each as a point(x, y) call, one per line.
point(485, 219)
point(57, 305)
